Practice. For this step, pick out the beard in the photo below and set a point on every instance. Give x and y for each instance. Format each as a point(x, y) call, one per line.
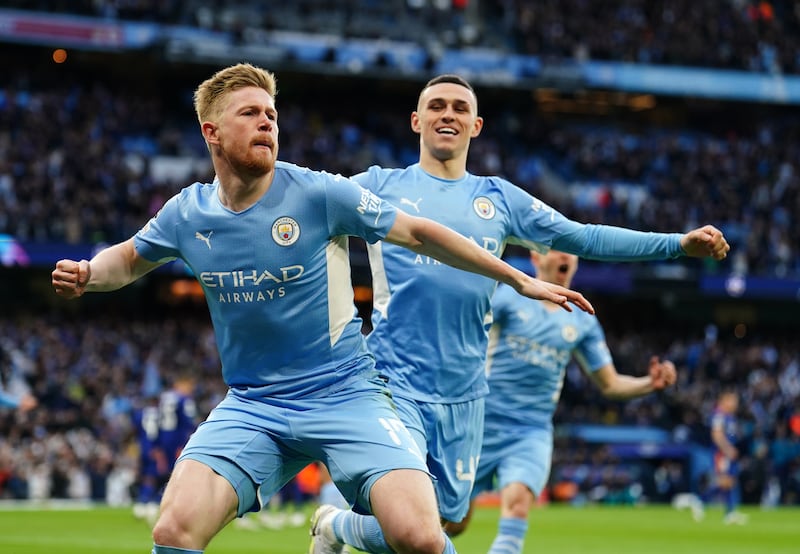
point(253, 164)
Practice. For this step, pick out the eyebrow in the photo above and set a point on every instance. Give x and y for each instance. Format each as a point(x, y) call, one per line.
point(258, 107)
point(458, 101)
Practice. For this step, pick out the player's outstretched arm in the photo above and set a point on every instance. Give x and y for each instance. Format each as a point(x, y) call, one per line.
point(110, 269)
point(661, 374)
point(706, 241)
point(433, 239)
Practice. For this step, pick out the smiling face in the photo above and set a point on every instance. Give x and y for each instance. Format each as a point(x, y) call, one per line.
point(446, 119)
point(555, 267)
point(243, 133)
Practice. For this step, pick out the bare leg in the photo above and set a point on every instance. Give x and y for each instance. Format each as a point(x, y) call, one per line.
point(454, 529)
point(197, 504)
point(405, 504)
point(516, 500)
point(406, 520)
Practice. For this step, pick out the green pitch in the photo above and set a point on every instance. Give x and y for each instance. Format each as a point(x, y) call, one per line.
point(554, 529)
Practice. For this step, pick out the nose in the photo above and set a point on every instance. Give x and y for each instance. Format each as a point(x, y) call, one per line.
point(264, 123)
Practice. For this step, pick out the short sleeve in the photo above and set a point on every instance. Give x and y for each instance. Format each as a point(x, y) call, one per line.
point(157, 240)
point(354, 210)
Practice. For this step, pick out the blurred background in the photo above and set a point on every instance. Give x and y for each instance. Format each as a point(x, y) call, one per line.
point(660, 116)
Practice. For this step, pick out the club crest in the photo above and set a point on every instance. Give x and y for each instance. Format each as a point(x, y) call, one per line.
point(285, 231)
point(483, 207)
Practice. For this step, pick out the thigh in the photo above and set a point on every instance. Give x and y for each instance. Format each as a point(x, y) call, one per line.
point(404, 503)
point(724, 466)
point(725, 470)
point(454, 434)
point(197, 500)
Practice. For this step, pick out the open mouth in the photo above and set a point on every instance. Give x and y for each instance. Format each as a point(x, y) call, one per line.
point(447, 131)
point(563, 268)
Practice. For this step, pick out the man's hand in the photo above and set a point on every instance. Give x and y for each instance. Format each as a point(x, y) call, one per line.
point(707, 241)
point(27, 403)
point(542, 290)
point(70, 278)
point(662, 374)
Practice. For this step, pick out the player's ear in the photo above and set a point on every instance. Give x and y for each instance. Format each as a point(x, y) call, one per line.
point(210, 132)
point(415, 125)
point(476, 127)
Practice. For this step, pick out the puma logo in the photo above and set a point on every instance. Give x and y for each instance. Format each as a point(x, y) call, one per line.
point(206, 239)
point(408, 202)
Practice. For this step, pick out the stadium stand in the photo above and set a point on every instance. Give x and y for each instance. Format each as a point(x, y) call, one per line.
point(91, 374)
point(109, 141)
point(740, 177)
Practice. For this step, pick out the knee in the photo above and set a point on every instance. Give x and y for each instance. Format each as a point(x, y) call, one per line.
point(517, 501)
point(519, 510)
point(455, 529)
point(418, 540)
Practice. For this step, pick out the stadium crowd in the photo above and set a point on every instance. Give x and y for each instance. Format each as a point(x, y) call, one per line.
point(765, 372)
point(93, 152)
point(750, 35)
point(91, 373)
point(90, 378)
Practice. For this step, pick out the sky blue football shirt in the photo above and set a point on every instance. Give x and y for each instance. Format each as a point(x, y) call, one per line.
point(430, 321)
point(529, 351)
point(276, 276)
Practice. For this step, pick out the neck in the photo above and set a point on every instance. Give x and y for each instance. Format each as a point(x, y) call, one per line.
point(238, 192)
point(452, 168)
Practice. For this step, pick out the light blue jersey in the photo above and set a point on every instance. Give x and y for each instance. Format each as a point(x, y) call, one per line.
point(430, 320)
point(8, 400)
point(303, 386)
point(276, 276)
point(529, 350)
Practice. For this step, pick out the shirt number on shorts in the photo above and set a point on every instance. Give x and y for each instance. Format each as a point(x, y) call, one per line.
point(395, 428)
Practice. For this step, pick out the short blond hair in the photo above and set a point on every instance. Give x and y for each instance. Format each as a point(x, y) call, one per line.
point(209, 96)
point(450, 78)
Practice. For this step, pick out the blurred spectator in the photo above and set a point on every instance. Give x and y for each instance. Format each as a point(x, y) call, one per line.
point(72, 448)
point(107, 153)
point(114, 155)
point(750, 35)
